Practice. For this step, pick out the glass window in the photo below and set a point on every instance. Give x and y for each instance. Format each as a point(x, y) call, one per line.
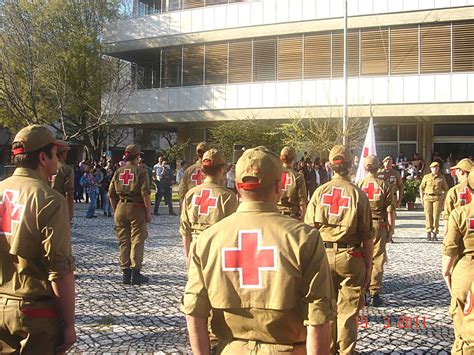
point(386, 133)
point(408, 149)
point(197, 135)
point(408, 132)
point(387, 149)
point(453, 129)
point(171, 67)
point(264, 60)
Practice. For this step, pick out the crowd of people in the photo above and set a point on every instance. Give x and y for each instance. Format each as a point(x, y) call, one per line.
point(271, 269)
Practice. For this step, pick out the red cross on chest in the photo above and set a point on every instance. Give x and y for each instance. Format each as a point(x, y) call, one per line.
point(250, 259)
point(470, 223)
point(198, 177)
point(126, 177)
point(372, 191)
point(465, 197)
point(286, 180)
point(205, 201)
point(336, 201)
point(10, 212)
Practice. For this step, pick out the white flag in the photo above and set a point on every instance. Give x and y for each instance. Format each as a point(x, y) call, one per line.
point(369, 149)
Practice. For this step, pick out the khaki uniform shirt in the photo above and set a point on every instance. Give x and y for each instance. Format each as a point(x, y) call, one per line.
point(35, 237)
point(434, 185)
point(294, 194)
point(379, 194)
point(341, 212)
point(459, 239)
point(394, 178)
point(192, 176)
point(63, 181)
point(205, 205)
point(130, 182)
point(458, 195)
point(264, 275)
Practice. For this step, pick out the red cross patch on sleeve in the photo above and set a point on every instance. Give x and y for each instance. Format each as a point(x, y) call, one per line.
point(204, 202)
point(250, 259)
point(465, 196)
point(336, 201)
point(470, 224)
point(469, 305)
point(11, 212)
point(198, 177)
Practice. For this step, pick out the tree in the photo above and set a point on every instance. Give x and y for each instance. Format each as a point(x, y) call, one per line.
point(52, 70)
point(308, 132)
point(250, 132)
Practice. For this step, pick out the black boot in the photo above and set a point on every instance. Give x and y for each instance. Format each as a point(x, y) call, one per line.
point(137, 278)
point(428, 236)
point(172, 213)
point(127, 276)
point(434, 238)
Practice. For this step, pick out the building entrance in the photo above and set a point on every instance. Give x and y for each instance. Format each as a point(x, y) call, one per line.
point(458, 150)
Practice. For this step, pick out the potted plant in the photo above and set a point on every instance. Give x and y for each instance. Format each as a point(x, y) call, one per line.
point(412, 190)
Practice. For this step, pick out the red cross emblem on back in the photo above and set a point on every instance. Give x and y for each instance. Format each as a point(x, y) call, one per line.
point(470, 222)
point(250, 259)
point(198, 177)
point(465, 197)
point(286, 180)
point(336, 201)
point(205, 201)
point(372, 191)
point(126, 177)
point(10, 211)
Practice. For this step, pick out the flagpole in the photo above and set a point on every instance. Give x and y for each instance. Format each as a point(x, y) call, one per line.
point(344, 115)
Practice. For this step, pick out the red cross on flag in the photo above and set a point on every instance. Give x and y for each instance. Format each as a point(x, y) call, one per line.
point(286, 180)
point(198, 177)
point(204, 202)
point(465, 197)
point(336, 201)
point(10, 212)
point(368, 149)
point(126, 177)
point(373, 191)
point(250, 258)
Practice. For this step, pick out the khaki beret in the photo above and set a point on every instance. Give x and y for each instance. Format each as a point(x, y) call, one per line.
point(371, 161)
point(388, 157)
point(203, 147)
point(213, 157)
point(288, 152)
point(340, 154)
point(434, 164)
point(33, 138)
point(464, 164)
point(259, 163)
point(132, 150)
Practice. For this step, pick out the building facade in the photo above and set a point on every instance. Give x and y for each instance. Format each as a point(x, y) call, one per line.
point(198, 62)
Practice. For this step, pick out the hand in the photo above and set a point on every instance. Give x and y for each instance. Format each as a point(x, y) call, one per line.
point(69, 338)
point(148, 218)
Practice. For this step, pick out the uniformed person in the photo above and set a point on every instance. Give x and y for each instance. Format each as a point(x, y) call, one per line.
point(341, 213)
point(208, 203)
point(294, 195)
point(129, 194)
point(36, 266)
point(388, 173)
point(433, 187)
point(193, 175)
point(458, 269)
point(380, 197)
point(63, 180)
point(467, 329)
point(264, 275)
point(460, 194)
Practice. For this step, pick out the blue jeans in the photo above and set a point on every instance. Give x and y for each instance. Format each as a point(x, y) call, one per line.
point(106, 203)
point(92, 204)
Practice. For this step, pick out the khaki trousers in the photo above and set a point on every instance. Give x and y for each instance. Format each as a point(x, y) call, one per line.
point(379, 258)
point(131, 232)
point(254, 347)
point(433, 207)
point(348, 274)
point(27, 328)
point(461, 282)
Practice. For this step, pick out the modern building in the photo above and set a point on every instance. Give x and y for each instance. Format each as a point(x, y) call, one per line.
point(197, 62)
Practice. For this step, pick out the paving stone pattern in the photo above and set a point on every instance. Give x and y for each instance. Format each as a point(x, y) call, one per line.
point(113, 318)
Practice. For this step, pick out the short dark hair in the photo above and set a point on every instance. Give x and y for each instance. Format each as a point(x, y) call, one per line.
point(342, 169)
point(131, 157)
point(30, 160)
point(211, 170)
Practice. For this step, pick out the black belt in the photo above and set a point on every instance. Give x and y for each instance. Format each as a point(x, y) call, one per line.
point(126, 200)
point(432, 194)
point(341, 245)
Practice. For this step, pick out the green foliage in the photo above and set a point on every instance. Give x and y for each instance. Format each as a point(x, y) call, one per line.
point(412, 190)
point(250, 132)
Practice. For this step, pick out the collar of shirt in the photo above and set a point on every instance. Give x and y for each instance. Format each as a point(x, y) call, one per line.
point(337, 176)
point(28, 173)
point(257, 206)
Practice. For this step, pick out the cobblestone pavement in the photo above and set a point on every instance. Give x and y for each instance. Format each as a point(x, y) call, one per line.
point(113, 318)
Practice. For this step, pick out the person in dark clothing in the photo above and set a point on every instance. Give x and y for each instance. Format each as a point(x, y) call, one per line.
point(78, 190)
point(165, 188)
